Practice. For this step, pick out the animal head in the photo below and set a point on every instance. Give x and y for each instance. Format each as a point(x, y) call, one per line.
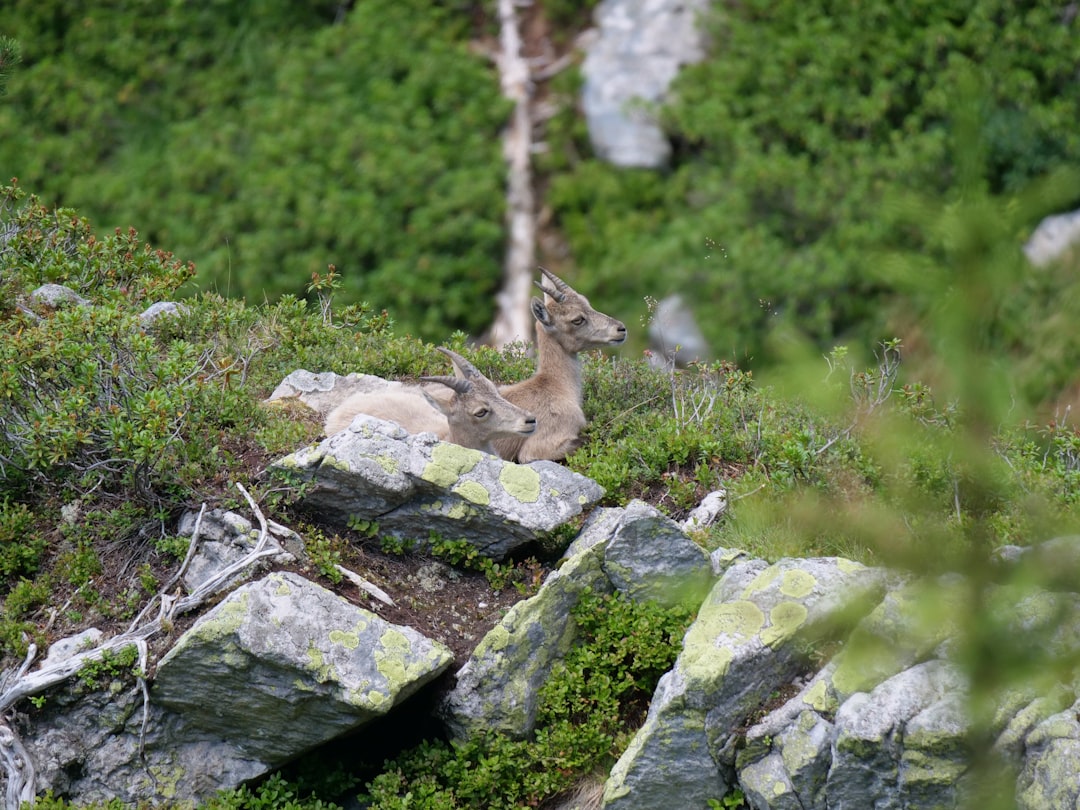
point(477, 412)
point(568, 317)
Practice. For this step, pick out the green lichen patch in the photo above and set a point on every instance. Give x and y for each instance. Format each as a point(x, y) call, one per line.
point(448, 463)
point(474, 492)
point(797, 584)
point(520, 482)
point(708, 649)
point(388, 463)
point(818, 697)
point(762, 581)
point(348, 640)
point(784, 620)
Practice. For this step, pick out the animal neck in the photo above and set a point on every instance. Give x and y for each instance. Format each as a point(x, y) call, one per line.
point(554, 363)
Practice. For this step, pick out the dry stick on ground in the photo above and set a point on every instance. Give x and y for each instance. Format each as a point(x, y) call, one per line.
point(17, 766)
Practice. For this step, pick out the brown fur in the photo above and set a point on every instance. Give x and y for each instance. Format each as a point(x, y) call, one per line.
point(566, 324)
point(473, 414)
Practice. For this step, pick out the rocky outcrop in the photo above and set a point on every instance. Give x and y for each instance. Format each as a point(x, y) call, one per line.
point(278, 667)
point(803, 683)
point(411, 486)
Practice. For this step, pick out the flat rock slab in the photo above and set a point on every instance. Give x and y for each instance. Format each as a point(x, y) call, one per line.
point(412, 486)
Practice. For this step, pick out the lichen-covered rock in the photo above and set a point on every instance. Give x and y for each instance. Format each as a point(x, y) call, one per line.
point(650, 558)
point(1049, 777)
point(743, 645)
point(498, 686)
point(282, 665)
point(903, 740)
point(412, 486)
point(93, 748)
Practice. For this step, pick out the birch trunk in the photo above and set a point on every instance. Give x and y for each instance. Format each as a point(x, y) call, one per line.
point(512, 320)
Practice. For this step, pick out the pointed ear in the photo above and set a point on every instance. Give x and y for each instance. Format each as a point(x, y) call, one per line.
point(540, 312)
point(437, 404)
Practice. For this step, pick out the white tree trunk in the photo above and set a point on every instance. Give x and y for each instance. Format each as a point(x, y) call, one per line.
point(513, 321)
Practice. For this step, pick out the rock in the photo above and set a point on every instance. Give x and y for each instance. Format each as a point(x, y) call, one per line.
point(161, 309)
point(1053, 237)
point(674, 336)
point(411, 486)
point(286, 655)
point(225, 538)
point(323, 392)
point(903, 740)
point(639, 47)
point(738, 650)
point(57, 295)
point(65, 648)
point(497, 688)
point(1048, 778)
point(650, 558)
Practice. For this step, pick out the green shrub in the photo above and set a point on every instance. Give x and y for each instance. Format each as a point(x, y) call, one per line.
point(265, 145)
point(587, 709)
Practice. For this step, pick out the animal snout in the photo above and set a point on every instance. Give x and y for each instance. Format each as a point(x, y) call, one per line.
point(528, 425)
point(620, 334)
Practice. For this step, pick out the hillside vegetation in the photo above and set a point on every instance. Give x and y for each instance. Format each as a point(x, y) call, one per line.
point(846, 208)
point(264, 144)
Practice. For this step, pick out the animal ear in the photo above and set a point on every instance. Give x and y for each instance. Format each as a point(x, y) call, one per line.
point(437, 404)
point(540, 312)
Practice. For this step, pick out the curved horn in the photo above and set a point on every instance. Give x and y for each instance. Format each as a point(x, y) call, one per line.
point(457, 383)
point(466, 369)
point(561, 287)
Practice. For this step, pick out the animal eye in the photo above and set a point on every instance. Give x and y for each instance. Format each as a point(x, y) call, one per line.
point(480, 413)
point(578, 321)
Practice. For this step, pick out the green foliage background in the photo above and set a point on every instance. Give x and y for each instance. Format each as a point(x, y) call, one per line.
point(266, 142)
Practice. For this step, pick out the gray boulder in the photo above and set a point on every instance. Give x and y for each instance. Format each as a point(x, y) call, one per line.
point(1054, 237)
point(650, 558)
point(498, 687)
point(743, 645)
point(638, 48)
point(374, 471)
point(57, 295)
point(323, 391)
point(227, 537)
point(278, 667)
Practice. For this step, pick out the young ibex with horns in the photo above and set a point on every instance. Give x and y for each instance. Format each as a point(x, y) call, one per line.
point(566, 324)
point(471, 413)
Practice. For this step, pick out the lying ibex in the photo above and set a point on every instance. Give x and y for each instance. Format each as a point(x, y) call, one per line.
point(472, 414)
point(565, 324)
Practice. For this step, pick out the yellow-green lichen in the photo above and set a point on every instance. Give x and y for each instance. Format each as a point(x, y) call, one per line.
point(762, 581)
point(496, 639)
point(473, 491)
point(520, 482)
point(784, 620)
point(388, 463)
point(707, 650)
point(282, 588)
point(460, 511)
point(349, 641)
point(817, 697)
point(849, 566)
point(797, 584)
point(449, 462)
